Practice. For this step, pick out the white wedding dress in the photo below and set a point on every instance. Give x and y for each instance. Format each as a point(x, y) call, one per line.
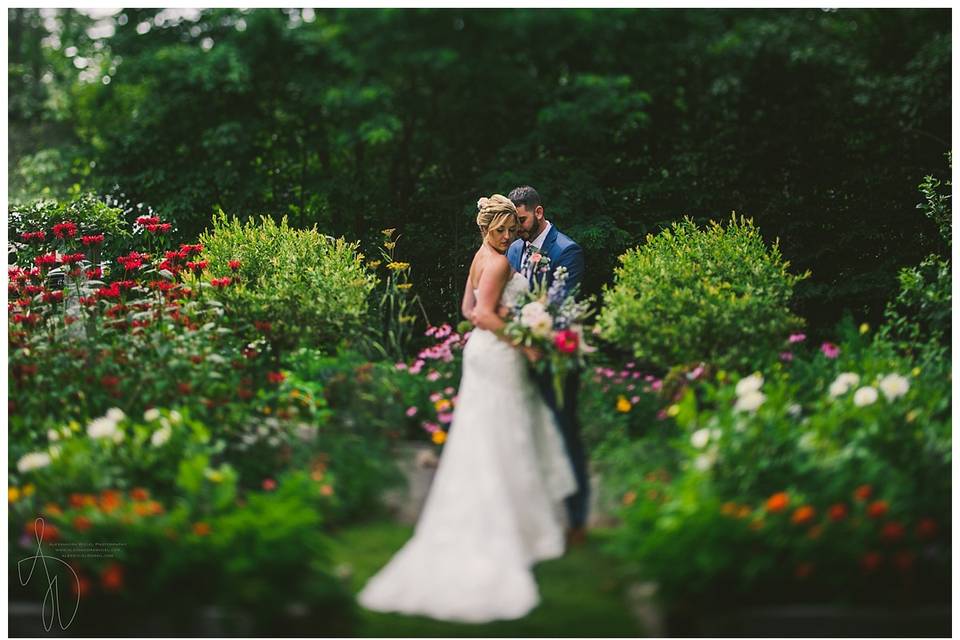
point(496, 503)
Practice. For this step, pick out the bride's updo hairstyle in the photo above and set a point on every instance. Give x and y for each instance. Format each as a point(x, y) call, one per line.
point(492, 211)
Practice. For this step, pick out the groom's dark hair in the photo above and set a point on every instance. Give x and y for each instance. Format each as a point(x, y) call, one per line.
point(525, 196)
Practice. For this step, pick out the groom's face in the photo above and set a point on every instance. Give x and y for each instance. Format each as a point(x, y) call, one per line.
point(530, 220)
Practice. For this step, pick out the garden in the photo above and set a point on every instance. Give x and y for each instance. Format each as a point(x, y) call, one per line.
point(207, 411)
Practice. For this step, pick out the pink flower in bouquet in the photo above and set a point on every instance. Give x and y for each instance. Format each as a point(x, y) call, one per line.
point(566, 341)
point(830, 350)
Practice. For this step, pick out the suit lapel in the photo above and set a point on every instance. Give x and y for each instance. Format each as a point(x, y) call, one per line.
point(549, 241)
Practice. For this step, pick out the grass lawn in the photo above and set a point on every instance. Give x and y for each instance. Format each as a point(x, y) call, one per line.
point(581, 593)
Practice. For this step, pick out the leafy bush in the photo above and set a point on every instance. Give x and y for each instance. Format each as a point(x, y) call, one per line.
point(311, 289)
point(717, 295)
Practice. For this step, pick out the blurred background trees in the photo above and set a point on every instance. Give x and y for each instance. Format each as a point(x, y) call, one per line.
point(817, 124)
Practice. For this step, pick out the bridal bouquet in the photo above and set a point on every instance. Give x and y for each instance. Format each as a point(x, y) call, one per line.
point(552, 320)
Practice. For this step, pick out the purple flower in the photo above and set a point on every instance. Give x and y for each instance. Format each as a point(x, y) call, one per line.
point(830, 350)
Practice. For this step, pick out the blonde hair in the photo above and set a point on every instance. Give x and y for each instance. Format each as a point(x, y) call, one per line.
point(492, 211)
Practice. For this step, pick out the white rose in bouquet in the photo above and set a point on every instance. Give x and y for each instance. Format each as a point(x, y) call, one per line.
point(535, 317)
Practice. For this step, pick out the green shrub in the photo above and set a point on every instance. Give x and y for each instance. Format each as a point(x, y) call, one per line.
point(311, 289)
point(718, 295)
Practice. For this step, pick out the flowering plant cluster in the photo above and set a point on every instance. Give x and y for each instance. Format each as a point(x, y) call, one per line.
point(549, 317)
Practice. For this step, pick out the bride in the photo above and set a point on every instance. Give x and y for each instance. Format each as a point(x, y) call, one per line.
point(495, 505)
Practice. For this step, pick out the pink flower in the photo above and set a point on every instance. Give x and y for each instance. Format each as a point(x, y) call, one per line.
point(431, 427)
point(445, 418)
point(449, 390)
point(631, 387)
point(830, 350)
point(433, 376)
point(786, 356)
point(400, 366)
point(435, 396)
point(631, 365)
point(662, 414)
point(411, 411)
point(796, 337)
point(535, 258)
point(634, 399)
point(657, 385)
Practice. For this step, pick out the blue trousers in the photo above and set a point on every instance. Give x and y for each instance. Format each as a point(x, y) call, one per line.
point(577, 504)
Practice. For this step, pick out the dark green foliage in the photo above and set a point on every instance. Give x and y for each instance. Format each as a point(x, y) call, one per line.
point(817, 124)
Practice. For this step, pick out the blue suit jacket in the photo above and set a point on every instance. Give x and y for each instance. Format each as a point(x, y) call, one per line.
point(562, 251)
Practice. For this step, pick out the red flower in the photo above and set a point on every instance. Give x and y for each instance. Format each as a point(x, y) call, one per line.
point(262, 326)
point(43, 530)
point(269, 484)
point(46, 259)
point(188, 249)
point(234, 265)
point(197, 266)
point(72, 258)
point(904, 560)
point(243, 393)
point(276, 377)
point(109, 381)
point(926, 528)
point(878, 509)
point(165, 227)
point(112, 577)
point(82, 523)
point(220, 283)
point(892, 532)
point(863, 492)
point(133, 261)
point(95, 274)
point(871, 561)
point(88, 240)
point(34, 235)
point(778, 502)
point(184, 387)
point(566, 341)
point(53, 296)
point(803, 515)
point(145, 220)
point(838, 512)
point(65, 228)
point(139, 494)
point(81, 586)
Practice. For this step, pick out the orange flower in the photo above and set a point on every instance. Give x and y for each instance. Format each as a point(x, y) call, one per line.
point(729, 509)
point(46, 531)
point(327, 490)
point(878, 509)
point(439, 437)
point(201, 528)
point(838, 512)
point(904, 560)
point(803, 570)
point(80, 587)
point(926, 528)
point(778, 502)
point(863, 492)
point(803, 515)
point(52, 509)
point(82, 523)
point(871, 561)
point(78, 500)
point(155, 507)
point(112, 577)
point(109, 500)
point(892, 532)
point(629, 498)
point(743, 512)
point(140, 494)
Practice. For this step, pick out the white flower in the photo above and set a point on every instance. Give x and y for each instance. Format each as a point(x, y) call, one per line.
point(54, 452)
point(102, 428)
point(33, 461)
point(794, 410)
point(534, 316)
point(175, 417)
point(151, 414)
point(116, 414)
point(749, 384)
point(53, 435)
point(865, 396)
point(704, 461)
point(750, 401)
point(843, 383)
point(700, 438)
point(160, 436)
point(894, 385)
point(807, 441)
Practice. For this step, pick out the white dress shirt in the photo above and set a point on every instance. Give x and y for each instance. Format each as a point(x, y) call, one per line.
point(537, 242)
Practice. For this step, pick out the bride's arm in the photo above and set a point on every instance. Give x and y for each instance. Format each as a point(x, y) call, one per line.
point(492, 281)
point(469, 301)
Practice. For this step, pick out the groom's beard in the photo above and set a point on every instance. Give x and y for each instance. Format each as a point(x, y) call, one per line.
point(534, 231)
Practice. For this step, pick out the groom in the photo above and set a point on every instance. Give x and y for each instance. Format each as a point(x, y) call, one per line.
point(537, 235)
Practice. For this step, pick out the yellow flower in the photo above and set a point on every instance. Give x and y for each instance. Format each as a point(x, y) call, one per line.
point(388, 232)
point(439, 437)
point(398, 266)
point(864, 328)
point(28, 489)
point(912, 415)
point(721, 375)
point(442, 404)
point(295, 393)
point(389, 245)
point(915, 372)
point(673, 410)
point(13, 494)
point(623, 405)
point(408, 319)
point(404, 286)
point(373, 264)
